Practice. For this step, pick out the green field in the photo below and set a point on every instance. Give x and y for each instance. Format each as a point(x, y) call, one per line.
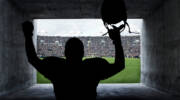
point(131, 73)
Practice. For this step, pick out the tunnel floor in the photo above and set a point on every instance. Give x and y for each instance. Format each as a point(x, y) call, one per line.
point(105, 92)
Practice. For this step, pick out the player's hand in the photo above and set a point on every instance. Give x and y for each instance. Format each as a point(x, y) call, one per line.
point(28, 29)
point(114, 33)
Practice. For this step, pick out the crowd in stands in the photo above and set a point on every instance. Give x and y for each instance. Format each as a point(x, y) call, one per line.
point(93, 46)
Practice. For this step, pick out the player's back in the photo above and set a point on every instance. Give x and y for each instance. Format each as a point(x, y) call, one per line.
point(75, 81)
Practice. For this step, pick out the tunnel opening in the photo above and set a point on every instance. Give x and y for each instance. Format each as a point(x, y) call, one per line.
point(160, 48)
point(52, 34)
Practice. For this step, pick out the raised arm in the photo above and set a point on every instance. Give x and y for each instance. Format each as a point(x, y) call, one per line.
point(30, 50)
point(114, 34)
point(111, 69)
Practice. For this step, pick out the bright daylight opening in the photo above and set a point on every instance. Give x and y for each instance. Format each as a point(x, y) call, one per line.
point(52, 35)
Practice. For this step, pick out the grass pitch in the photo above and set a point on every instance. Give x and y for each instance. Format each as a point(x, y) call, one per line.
point(131, 73)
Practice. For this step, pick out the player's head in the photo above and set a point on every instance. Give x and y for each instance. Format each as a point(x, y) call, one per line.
point(74, 49)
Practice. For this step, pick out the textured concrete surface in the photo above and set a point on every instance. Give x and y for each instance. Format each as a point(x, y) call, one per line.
point(160, 48)
point(15, 73)
point(81, 8)
point(105, 92)
point(160, 38)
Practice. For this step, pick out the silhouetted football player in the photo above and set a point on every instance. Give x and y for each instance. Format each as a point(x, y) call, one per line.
point(74, 78)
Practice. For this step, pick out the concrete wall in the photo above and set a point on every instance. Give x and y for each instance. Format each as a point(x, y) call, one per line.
point(161, 48)
point(15, 73)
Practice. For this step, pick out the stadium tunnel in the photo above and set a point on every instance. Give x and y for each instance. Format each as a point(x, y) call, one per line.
point(160, 57)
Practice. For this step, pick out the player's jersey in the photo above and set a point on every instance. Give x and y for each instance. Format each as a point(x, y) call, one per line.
point(75, 81)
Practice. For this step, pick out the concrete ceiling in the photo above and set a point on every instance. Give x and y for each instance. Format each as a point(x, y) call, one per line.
point(81, 8)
